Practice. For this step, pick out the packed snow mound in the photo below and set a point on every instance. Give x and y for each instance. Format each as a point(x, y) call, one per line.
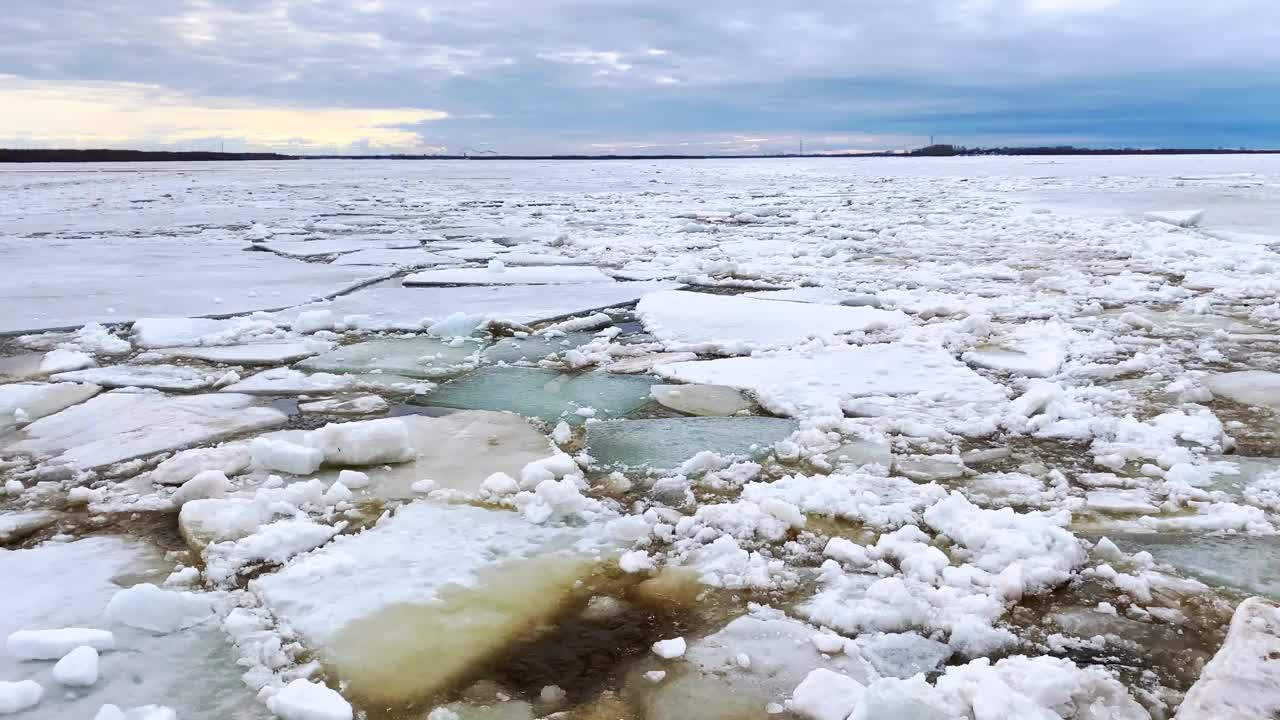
point(736, 325)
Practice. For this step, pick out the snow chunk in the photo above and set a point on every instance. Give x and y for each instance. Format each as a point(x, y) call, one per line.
point(826, 695)
point(53, 644)
point(78, 668)
point(228, 459)
point(147, 607)
point(366, 442)
point(734, 325)
point(18, 696)
point(670, 649)
point(59, 361)
point(206, 484)
point(306, 700)
point(284, 456)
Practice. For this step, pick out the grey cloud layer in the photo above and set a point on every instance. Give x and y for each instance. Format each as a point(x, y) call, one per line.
point(526, 62)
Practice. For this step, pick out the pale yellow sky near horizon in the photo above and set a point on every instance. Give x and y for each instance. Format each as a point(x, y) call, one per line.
point(98, 114)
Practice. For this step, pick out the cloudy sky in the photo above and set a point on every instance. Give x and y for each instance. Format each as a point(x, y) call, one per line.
point(636, 76)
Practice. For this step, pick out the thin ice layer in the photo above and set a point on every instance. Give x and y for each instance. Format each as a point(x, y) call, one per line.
point(544, 394)
point(419, 357)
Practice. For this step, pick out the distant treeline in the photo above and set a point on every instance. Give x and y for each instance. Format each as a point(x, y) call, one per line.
point(33, 156)
point(960, 150)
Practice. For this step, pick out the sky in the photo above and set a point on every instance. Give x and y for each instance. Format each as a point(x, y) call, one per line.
point(637, 77)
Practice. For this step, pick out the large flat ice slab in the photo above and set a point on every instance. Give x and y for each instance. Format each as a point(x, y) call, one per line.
point(119, 426)
point(335, 246)
point(800, 383)
point(1242, 682)
point(67, 283)
point(413, 308)
point(1250, 387)
point(732, 324)
point(411, 258)
point(497, 275)
point(402, 610)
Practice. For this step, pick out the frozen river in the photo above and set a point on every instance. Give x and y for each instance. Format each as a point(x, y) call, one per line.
point(818, 439)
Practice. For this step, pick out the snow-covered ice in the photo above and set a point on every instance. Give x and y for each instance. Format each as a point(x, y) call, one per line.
point(701, 322)
point(991, 435)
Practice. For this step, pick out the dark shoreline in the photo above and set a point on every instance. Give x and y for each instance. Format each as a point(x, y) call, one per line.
point(105, 155)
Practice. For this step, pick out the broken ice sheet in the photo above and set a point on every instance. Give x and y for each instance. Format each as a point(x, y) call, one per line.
point(159, 377)
point(33, 401)
point(544, 394)
point(496, 274)
point(401, 611)
point(258, 354)
point(419, 357)
point(665, 443)
point(287, 381)
point(733, 325)
point(406, 308)
point(118, 426)
point(456, 451)
point(1243, 562)
point(193, 671)
point(826, 381)
point(402, 258)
